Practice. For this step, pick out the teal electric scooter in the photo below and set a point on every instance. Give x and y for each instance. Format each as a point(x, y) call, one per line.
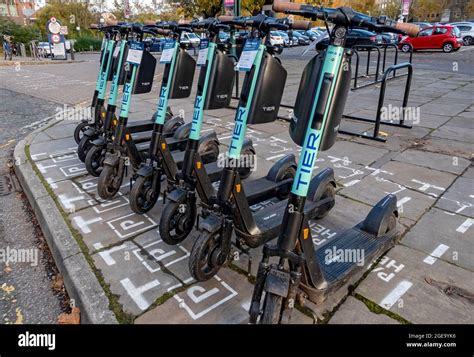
point(317, 114)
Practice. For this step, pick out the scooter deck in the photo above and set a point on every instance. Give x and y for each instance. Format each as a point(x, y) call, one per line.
point(262, 189)
point(338, 257)
point(271, 217)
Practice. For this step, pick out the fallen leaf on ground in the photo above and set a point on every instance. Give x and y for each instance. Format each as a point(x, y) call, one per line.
point(74, 318)
point(58, 282)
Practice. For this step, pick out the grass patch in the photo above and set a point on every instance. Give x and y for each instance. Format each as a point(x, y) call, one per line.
point(377, 309)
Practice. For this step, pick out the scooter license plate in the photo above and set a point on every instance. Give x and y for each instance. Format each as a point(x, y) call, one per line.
point(277, 282)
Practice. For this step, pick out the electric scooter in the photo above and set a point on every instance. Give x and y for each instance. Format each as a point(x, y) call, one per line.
point(179, 71)
point(108, 43)
point(317, 114)
point(123, 152)
point(99, 138)
point(230, 211)
point(214, 91)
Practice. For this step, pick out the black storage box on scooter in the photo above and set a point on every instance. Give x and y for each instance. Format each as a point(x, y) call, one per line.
point(145, 74)
point(268, 91)
point(182, 81)
point(221, 82)
point(306, 94)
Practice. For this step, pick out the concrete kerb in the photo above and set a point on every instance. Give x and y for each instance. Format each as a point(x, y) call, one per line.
point(80, 281)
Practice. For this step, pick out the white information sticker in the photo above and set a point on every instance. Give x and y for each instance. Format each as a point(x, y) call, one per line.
point(135, 53)
point(116, 50)
point(168, 50)
point(248, 55)
point(203, 49)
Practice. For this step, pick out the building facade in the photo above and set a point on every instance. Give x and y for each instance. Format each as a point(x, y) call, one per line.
point(20, 11)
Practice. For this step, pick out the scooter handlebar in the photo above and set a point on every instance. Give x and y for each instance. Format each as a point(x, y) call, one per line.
point(409, 29)
point(345, 16)
point(301, 24)
point(282, 6)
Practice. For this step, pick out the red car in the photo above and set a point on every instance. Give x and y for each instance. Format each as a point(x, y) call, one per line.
point(448, 38)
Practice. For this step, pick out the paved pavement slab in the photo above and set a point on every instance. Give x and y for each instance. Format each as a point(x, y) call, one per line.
point(444, 235)
point(454, 133)
point(434, 161)
point(422, 293)
point(138, 284)
point(354, 311)
point(422, 179)
point(411, 204)
point(459, 198)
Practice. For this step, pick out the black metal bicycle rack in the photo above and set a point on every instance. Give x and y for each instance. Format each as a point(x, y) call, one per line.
point(380, 67)
point(378, 119)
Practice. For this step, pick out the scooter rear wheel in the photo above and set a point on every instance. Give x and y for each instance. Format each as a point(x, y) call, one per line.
point(271, 309)
point(143, 195)
point(83, 147)
point(95, 160)
point(204, 261)
point(109, 182)
point(289, 172)
point(329, 192)
point(79, 131)
point(245, 172)
point(177, 221)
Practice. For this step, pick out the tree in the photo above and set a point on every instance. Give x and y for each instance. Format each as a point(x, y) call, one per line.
point(251, 7)
point(23, 34)
point(62, 11)
point(392, 9)
point(470, 9)
point(425, 10)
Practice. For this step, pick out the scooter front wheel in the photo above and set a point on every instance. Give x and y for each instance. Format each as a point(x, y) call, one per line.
point(94, 160)
point(143, 195)
point(79, 131)
point(83, 147)
point(205, 261)
point(271, 309)
point(177, 221)
point(109, 182)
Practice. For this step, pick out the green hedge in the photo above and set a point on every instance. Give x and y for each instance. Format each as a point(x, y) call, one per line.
point(85, 43)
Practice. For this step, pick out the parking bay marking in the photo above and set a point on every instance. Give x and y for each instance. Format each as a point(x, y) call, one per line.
point(395, 295)
point(465, 225)
point(435, 254)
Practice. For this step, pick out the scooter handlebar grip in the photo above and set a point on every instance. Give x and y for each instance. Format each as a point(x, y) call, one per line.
point(149, 22)
point(409, 29)
point(301, 25)
point(163, 32)
point(226, 18)
point(282, 6)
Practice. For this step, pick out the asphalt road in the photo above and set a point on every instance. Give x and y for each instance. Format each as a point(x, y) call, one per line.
point(26, 284)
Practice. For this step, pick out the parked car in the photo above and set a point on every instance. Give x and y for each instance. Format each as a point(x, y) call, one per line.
point(308, 33)
point(355, 37)
point(154, 44)
point(448, 38)
point(286, 39)
point(422, 25)
point(467, 33)
point(302, 39)
point(276, 38)
point(190, 39)
point(44, 49)
point(389, 37)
